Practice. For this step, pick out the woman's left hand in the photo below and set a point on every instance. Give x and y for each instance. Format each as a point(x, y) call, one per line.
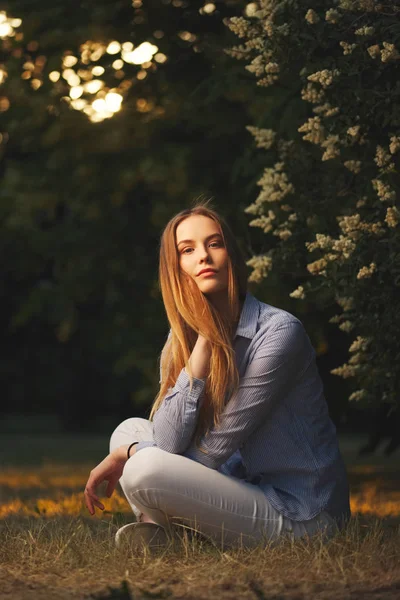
point(110, 469)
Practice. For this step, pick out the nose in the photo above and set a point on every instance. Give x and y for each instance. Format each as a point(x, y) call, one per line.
point(204, 255)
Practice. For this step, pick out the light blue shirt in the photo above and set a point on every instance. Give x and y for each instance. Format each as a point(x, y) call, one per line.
point(275, 431)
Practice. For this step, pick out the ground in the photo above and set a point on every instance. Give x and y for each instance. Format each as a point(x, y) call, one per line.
point(52, 549)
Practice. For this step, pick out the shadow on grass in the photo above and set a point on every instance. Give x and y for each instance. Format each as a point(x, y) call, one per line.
point(293, 592)
point(119, 593)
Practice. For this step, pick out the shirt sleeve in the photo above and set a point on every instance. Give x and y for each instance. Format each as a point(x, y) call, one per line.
point(280, 359)
point(234, 466)
point(175, 421)
point(141, 445)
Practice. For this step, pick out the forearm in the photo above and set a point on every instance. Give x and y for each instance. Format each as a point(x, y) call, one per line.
point(121, 451)
point(200, 358)
point(176, 419)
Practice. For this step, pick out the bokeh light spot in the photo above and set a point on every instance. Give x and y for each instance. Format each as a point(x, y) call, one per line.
point(54, 76)
point(113, 48)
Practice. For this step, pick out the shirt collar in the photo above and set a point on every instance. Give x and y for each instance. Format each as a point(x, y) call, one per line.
point(247, 325)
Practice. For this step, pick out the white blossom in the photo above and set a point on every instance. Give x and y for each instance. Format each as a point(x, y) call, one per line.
point(324, 77)
point(346, 326)
point(392, 216)
point(347, 48)
point(374, 51)
point(326, 110)
point(298, 293)
point(283, 234)
point(365, 31)
point(366, 272)
point(332, 15)
point(389, 52)
point(315, 131)
point(310, 93)
point(264, 137)
point(353, 165)
point(383, 158)
point(357, 395)
point(345, 302)
point(239, 25)
point(345, 371)
point(361, 343)
point(384, 191)
point(312, 17)
point(317, 266)
point(322, 241)
point(394, 144)
point(262, 265)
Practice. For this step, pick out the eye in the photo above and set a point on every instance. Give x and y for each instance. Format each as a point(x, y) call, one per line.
point(188, 248)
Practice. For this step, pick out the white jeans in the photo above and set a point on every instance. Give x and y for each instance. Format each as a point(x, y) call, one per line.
point(170, 488)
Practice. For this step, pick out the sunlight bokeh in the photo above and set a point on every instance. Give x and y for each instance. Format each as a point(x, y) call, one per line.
point(8, 25)
point(86, 91)
point(107, 101)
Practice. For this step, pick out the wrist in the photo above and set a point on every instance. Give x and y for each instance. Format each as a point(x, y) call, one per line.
point(121, 452)
point(203, 342)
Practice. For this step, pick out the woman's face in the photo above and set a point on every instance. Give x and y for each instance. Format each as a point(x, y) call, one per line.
point(200, 246)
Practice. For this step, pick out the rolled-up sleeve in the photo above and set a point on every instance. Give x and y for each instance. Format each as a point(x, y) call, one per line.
point(282, 356)
point(175, 421)
point(141, 445)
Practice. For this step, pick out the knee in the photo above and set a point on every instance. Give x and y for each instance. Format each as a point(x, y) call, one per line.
point(126, 430)
point(146, 469)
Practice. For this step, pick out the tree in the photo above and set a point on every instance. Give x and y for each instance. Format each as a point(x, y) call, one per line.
point(331, 181)
point(83, 199)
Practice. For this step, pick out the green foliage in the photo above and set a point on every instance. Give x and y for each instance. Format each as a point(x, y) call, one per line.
point(83, 203)
point(330, 182)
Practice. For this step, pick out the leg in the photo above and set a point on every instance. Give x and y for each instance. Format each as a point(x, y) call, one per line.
point(131, 430)
point(172, 488)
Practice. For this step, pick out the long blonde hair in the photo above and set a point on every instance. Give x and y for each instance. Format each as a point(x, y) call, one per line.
point(190, 313)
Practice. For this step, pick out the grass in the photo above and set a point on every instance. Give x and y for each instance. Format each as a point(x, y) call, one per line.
point(52, 549)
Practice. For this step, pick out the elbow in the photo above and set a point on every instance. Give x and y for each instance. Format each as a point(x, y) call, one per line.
point(208, 460)
point(172, 436)
point(211, 463)
point(173, 445)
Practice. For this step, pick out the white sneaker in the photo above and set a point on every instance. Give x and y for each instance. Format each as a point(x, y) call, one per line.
point(137, 535)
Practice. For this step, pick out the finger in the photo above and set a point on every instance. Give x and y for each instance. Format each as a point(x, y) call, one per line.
point(110, 488)
point(94, 500)
point(89, 504)
point(90, 499)
point(98, 504)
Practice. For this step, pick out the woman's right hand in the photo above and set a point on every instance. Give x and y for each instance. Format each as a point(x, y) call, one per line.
point(110, 469)
point(200, 358)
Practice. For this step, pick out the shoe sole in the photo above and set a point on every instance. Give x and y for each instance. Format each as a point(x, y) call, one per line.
point(140, 535)
point(154, 537)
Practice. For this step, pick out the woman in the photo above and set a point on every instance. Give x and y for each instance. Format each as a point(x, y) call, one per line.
point(239, 444)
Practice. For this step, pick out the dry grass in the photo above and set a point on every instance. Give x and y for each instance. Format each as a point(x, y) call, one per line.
point(51, 549)
point(75, 557)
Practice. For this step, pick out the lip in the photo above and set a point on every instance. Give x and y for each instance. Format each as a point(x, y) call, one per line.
point(207, 272)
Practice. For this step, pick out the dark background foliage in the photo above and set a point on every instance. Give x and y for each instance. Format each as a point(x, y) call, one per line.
point(82, 205)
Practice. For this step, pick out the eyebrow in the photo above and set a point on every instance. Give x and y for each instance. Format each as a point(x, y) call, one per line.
point(207, 238)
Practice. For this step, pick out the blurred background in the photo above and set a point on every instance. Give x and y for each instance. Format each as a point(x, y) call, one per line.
point(115, 115)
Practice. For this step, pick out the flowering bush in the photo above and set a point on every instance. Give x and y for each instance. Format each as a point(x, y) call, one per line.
point(330, 185)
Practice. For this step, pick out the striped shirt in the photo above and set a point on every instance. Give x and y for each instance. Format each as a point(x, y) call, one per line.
point(275, 432)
